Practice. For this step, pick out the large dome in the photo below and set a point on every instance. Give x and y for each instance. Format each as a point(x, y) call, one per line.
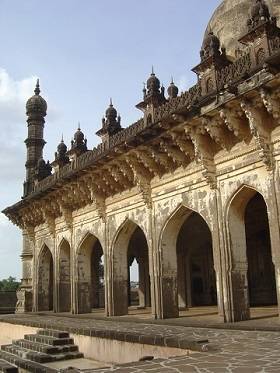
point(229, 21)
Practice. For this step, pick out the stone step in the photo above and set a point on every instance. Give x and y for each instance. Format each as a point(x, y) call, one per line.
point(25, 354)
point(40, 357)
point(44, 348)
point(48, 340)
point(26, 365)
point(6, 367)
point(53, 333)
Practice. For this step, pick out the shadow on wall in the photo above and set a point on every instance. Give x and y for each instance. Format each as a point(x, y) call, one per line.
point(8, 300)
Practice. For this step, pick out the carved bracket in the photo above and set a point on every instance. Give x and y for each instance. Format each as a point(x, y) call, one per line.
point(234, 123)
point(203, 154)
point(271, 103)
point(260, 133)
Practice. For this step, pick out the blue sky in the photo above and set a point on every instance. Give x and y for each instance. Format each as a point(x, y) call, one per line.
point(84, 51)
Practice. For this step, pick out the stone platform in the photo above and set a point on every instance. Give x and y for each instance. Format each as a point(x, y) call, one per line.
point(227, 350)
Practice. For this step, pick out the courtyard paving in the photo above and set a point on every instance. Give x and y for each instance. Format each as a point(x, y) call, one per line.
point(229, 350)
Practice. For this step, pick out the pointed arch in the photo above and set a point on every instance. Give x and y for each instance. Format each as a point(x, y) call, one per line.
point(90, 271)
point(64, 276)
point(45, 279)
point(87, 238)
point(130, 240)
point(173, 261)
point(248, 242)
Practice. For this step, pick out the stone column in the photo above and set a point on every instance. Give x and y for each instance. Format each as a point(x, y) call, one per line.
point(154, 285)
point(273, 208)
point(142, 281)
point(147, 285)
point(74, 276)
point(188, 276)
point(240, 304)
point(56, 292)
point(182, 299)
point(25, 291)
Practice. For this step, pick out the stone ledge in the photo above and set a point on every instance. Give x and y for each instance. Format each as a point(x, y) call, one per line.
point(147, 334)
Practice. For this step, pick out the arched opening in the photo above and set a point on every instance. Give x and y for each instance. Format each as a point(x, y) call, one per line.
point(196, 274)
point(64, 278)
point(261, 273)
point(45, 280)
point(90, 275)
point(188, 275)
point(252, 276)
point(130, 248)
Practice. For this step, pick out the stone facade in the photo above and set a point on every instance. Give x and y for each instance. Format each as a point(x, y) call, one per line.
point(191, 191)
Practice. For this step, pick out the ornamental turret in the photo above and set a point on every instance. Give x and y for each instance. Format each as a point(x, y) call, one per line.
point(36, 110)
point(261, 30)
point(78, 144)
point(60, 157)
point(212, 59)
point(172, 90)
point(43, 170)
point(111, 123)
point(153, 95)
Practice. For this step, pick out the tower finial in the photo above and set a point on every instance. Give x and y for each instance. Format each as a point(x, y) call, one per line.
point(172, 80)
point(62, 140)
point(37, 88)
point(111, 101)
point(79, 126)
point(153, 73)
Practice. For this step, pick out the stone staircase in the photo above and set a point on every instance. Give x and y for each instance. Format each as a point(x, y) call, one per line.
point(45, 346)
point(7, 367)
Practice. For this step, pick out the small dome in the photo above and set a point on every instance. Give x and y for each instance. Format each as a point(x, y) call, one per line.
point(172, 90)
point(210, 47)
point(229, 21)
point(41, 163)
point(62, 148)
point(153, 83)
point(211, 40)
point(36, 103)
point(111, 111)
point(260, 9)
point(79, 136)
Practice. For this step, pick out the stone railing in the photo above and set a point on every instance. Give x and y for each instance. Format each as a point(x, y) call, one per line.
point(234, 72)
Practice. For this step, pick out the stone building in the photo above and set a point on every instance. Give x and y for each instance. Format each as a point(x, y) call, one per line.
point(191, 190)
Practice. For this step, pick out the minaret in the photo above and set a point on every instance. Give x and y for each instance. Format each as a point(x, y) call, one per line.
point(36, 110)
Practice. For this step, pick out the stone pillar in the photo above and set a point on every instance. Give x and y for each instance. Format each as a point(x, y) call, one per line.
point(74, 276)
point(56, 293)
point(240, 304)
point(142, 283)
point(153, 267)
point(182, 299)
point(25, 291)
point(147, 285)
point(169, 295)
point(188, 276)
point(277, 279)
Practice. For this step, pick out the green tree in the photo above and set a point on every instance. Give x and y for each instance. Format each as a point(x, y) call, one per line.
point(9, 284)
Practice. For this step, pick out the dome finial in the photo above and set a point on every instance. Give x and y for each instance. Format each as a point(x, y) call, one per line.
point(79, 126)
point(37, 88)
point(153, 72)
point(172, 90)
point(111, 102)
point(62, 140)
